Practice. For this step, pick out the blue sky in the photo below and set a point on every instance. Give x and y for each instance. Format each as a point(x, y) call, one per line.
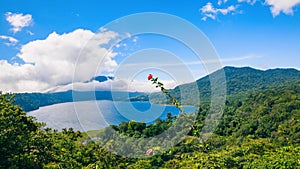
point(262, 34)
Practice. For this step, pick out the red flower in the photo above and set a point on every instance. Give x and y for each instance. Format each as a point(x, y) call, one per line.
point(150, 76)
point(149, 152)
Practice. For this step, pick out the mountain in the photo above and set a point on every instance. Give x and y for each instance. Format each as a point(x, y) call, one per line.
point(32, 101)
point(239, 82)
point(247, 79)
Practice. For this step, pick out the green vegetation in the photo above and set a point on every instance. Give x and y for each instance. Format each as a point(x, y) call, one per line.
point(25, 143)
point(261, 130)
point(240, 83)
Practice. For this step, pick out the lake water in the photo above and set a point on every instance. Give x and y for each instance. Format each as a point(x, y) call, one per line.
point(95, 115)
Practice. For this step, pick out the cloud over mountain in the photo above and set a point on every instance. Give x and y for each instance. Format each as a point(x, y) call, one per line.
point(113, 85)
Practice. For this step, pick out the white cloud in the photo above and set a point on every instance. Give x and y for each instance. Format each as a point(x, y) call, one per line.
point(114, 85)
point(208, 11)
point(278, 6)
point(222, 1)
point(11, 40)
point(202, 62)
point(285, 6)
point(30, 33)
point(252, 2)
point(18, 21)
point(51, 62)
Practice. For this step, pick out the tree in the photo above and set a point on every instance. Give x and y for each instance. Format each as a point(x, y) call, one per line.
point(22, 143)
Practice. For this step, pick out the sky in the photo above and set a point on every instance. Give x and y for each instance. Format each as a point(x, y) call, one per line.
point(59, 45)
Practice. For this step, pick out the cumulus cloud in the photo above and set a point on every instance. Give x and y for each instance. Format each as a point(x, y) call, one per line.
point(278, 6)
point(10, 41)
point(52, 61)
point(18, 20)
point(209, 11)
point(285, 6)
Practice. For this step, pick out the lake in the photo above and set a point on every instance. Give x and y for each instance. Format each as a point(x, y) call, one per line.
point(95, 115)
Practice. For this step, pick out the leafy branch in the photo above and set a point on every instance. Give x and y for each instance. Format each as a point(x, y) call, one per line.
point(177, 104)
point(160, 85)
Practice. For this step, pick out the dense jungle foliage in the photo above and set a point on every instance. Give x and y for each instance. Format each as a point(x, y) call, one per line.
point(259, 131)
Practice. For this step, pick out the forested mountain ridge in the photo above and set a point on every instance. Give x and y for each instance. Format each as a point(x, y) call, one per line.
point(239, 81)
point(248, 79)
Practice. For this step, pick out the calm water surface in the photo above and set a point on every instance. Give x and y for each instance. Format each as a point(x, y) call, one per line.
point(94, 115)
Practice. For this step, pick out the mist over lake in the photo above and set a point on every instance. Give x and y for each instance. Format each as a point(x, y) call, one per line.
point(95, 115)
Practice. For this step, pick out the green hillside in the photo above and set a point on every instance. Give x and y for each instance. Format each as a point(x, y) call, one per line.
point(260, 131)
point(239, 81)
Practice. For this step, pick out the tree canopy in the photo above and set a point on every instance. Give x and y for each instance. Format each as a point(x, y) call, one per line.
point(259, 131)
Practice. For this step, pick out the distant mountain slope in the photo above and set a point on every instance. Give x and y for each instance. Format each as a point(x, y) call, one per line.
point(239, 81)
point(32, 101)
point(248, 79)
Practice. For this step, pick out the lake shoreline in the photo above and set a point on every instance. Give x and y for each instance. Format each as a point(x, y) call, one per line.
point(95, 115)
